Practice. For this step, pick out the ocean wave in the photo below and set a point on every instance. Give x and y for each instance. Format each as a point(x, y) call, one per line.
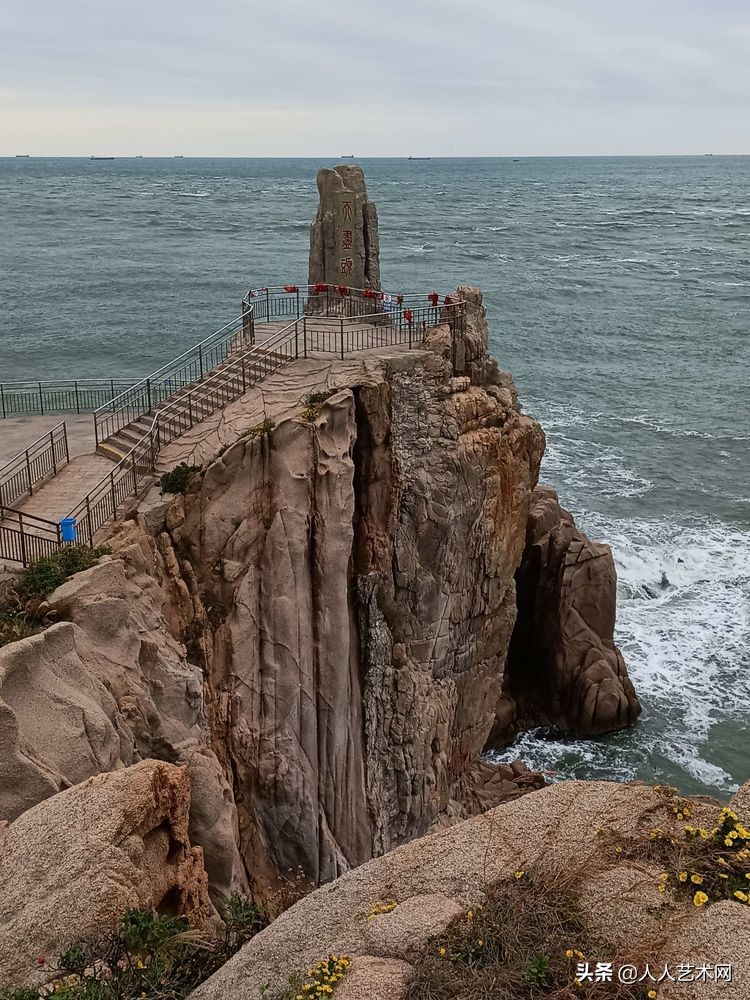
point(684, 629)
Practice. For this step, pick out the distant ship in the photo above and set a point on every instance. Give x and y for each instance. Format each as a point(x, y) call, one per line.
point(420, 157)
point(345, 157)
point(179, 156)
point(22, 156)
point(139, 156)
point(101, 157)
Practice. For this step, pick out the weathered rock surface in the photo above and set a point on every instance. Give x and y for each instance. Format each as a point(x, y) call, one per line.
point(110, 687)
point(563, 667)
point(73, 864)
point(550, 831)
point(344, 238)
point(360, 568)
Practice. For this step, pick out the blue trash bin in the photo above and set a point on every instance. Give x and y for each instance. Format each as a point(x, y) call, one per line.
point(68, 529)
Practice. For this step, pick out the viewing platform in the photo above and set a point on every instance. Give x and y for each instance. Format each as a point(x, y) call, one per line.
point(62, 484)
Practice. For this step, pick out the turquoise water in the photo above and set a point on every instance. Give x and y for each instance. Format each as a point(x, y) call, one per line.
point(619, 297)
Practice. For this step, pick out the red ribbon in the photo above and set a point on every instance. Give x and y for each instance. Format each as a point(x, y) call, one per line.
point(251, 294)
point(448, 300)
point(433, 297)
point(343, 290)
point(320, 287)
point(400, 299)
point(408, 316)
point(291, 288)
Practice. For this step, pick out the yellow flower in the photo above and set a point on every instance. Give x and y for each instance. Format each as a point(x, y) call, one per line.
point(696, 879)
point(700, 899)
point(470, 915)
point(664, 877)
point(480, 942)
point(618, 850)
point(520, 874)
point(741, 895)
point(441, 952)
point(661, 887)
point(682, 876)
point(651, 994)
point(569, 953)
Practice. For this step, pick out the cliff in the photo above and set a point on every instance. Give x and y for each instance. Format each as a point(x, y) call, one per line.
point(317, 630)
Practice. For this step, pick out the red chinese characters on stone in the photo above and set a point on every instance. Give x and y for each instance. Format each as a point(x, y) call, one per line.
point(346, 239)
point(347, 265)
point(347, 212)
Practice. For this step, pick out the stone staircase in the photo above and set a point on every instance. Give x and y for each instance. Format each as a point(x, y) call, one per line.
point(188, 402)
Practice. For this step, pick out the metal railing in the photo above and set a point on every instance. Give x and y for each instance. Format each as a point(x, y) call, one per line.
point(58, 396)
point(221, 368)
point(25, 538)
point(141, 397)
point(43, 458)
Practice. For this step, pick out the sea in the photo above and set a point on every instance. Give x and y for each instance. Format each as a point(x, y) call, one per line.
point(618, 293)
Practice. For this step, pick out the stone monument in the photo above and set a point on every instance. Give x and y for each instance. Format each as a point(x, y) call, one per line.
point(344, 241)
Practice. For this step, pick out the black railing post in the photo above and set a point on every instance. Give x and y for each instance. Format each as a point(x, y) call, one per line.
point(268, 305)
point(52, 446)
point(41, 399)
point(342, 338)
point(78, 404)
point(88, 520)
point(296, 339)
point(113, 494)
point(298, 303)
point(244, 384)
point(28, 472)
point(96, 431)
point(148, 394)
point(24, 560)
point(200, 359)
point(304, 333)
point(65, 438)
point(2, 398)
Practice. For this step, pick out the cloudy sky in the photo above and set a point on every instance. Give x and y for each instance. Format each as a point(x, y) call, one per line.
point(393, 77)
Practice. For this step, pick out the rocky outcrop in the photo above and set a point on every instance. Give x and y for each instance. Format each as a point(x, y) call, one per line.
point(564, 668)
point(344, 238)
point(551, 833)
point(112, 686)
point(73, 864)
point(360, 567)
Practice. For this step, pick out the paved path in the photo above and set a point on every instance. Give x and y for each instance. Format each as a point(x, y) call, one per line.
point(57, 496)
point(17, 433)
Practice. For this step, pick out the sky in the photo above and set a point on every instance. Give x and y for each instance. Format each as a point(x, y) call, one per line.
point(392, 78)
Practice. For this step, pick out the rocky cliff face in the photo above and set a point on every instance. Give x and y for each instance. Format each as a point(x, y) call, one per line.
point(317, 631)
point(563, 667)
point(360, 567)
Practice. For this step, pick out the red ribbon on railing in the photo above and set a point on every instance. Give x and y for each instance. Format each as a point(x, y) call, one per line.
point(369, 293)
point(433, 298)
point(448, 300)
point(343, 290)
point(251, 294)
point(291, 288)
point(320, 287)
point(400, 299)
point(408, 316)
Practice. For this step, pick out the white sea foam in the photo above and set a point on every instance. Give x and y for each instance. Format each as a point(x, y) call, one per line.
point(194, 194)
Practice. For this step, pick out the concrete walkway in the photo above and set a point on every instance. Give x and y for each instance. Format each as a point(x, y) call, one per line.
point(17, 433)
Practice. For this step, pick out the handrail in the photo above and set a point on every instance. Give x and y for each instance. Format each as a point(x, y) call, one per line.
point(190, 366)
point(24, 538)
point(238, 363)
point(83, 395)
point(43, 457)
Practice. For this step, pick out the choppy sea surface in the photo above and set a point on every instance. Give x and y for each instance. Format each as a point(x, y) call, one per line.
point(619, 297)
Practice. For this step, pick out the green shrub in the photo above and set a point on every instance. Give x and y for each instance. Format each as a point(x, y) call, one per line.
point(45, 575)
point(177, 480)
point(147, 956)
point(314, 404)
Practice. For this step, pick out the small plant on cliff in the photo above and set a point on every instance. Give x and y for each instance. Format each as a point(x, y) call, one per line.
point(314, 404)
point(320, 981)
point(147, 956)
point(264, 429)
point(45, 575)
point(524, 942)
point(15, 625)
point(177, 480)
